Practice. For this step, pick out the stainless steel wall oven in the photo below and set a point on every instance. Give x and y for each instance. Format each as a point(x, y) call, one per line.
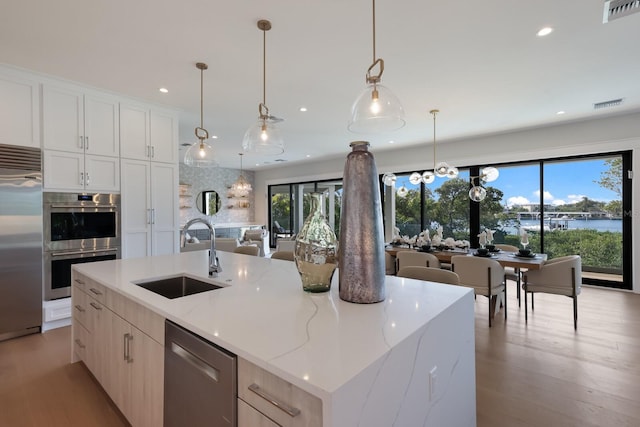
point(78, 228)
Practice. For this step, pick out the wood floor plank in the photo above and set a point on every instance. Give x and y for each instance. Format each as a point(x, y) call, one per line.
point(540, 374)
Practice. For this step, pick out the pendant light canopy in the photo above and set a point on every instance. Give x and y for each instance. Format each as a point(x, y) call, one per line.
point(242, 187)
point(264, 137)
point(376, 109)
point(200, 154)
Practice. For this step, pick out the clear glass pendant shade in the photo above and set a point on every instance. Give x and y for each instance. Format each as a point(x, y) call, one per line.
point(415, 178)
point(376, 110)
point(442, 169)
point(200, 155)
point(389, 179)
point(452, 172)
point(263, 138)
point(490, 174)
point(477, 193)
point(402, 191)
point(428, 177)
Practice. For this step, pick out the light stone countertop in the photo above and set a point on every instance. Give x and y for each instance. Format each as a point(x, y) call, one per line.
point(315, 341)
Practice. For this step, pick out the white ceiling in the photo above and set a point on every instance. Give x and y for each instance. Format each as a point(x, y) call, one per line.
point(479, 62)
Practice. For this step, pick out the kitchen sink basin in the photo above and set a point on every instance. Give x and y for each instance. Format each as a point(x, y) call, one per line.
point(177, 286)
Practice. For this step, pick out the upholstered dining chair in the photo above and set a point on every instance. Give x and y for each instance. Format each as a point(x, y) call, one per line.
point(484, 275)
point(421, 259)
point(389, 264)
point(429, 274)
point(286, 255)
point(560, 276)
point(247, 250)
point(226, 244)
point(512, 273)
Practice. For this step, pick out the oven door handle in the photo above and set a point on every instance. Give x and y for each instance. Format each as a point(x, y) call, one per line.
point(56, 206)
point(55, 254)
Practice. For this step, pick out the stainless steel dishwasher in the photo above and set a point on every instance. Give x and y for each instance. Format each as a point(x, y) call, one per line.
point(200, 381)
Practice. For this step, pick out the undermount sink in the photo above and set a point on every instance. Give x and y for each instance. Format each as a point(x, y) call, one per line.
point(177, 286)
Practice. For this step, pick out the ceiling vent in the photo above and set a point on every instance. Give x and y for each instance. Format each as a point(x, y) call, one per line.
point(607, 104)
point(615, 9)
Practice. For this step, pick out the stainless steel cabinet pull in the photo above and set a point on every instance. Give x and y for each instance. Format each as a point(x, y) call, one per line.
point(153, 152)
point(81, 178)
point(153, 216)
point(195, 361)
point(86, 142)
point(127, 347)
point(81, 142)
point(288, 409)
point(77, 280)
point(147, 149)
point(79, 343)
point(129, 338)
point(87, 179)
point(92, 251)
point(79, 308)
point(95, 291)
point(96, 306)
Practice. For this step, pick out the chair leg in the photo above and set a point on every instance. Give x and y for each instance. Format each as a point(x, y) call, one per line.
point(518, 283)
point(532, 306)
point(575, 312)
point(526, 307)
point(505, 299)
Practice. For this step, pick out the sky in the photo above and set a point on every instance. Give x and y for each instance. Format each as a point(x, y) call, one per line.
point(565, 183)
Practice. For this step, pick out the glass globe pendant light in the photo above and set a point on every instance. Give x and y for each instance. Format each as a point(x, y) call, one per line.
point(242, 187)
point(264, 137)
point(376, 109)
point(200, 154)
point(477, 193)
point(440, 169)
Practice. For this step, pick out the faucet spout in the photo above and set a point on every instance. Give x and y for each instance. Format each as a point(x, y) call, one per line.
point(214, 264)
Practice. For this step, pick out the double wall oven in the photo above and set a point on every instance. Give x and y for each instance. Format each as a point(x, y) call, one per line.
point(78, 228)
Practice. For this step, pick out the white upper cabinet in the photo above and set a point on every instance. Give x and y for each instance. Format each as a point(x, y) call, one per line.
point(79, 122)
point(19, 110)
point(148, 133)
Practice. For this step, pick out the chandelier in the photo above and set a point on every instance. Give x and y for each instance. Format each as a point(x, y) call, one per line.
point(477, 193)
point(242, 187)
point(264, 137)
point(376, 109)
point(200, 154)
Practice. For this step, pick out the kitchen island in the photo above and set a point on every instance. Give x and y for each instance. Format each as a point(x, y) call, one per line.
point(407, 361)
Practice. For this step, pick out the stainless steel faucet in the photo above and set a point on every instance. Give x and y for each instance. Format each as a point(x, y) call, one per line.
point(214, 264)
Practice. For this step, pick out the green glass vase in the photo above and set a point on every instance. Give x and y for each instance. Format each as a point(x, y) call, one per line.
point(316, 249)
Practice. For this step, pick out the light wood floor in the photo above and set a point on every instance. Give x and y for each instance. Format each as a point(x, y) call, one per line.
point(543, 374)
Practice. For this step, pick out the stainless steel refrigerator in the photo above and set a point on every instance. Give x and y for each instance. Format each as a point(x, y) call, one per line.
point(20, 241)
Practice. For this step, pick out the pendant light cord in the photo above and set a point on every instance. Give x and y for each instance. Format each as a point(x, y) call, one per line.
point(201, 96)
point(434, 112)
point(264, 67)
point(374, 30)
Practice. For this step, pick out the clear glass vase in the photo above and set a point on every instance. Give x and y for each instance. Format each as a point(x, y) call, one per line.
point(316, 249)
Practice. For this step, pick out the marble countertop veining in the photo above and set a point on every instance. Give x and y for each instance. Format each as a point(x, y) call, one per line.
point(315, 341)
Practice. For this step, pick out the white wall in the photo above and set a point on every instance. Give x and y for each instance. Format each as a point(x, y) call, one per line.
point(607, 134)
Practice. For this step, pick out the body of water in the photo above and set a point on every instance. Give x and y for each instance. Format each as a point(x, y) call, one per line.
point(613, 225)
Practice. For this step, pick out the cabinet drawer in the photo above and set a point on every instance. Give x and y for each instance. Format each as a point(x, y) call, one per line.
point(249, 417)
point(279, 400)
point(95, 290)
point(79, 306)
point(80, 342)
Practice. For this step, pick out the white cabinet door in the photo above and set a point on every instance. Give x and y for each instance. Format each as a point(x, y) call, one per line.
point(66, 171)
point(78, 123)
point(101, 123)
point(164, 137)
point(102, 173)
point(134, 131)
point(63, 170)
point(136, 208)
point(19, 111)
point(164, 199)
point(63, 118)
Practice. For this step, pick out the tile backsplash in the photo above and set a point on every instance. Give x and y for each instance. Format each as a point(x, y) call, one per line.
point(219, 180)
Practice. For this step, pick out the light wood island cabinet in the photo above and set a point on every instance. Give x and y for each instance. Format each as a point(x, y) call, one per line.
point(127, 362)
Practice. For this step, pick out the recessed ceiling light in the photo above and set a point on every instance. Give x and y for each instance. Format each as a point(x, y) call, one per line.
point(392, 142)
point(214, 136)
point(164, 90)
point(308, 155)
point(303, 109)
point(560, 113)
point(545, 31)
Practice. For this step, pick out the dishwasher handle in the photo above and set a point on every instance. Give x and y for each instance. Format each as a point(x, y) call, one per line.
point(202, 366)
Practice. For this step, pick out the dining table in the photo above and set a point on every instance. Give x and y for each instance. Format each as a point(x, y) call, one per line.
point(506, 259)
